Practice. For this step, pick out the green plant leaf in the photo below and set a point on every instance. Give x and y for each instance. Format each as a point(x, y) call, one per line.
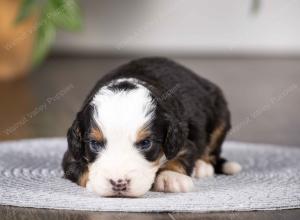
point(54, 14)
point(44, 39)
point(65, 14)
point(255, 6)
point(26, 8)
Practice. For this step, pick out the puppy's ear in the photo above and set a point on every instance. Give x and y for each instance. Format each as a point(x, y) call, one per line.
point(175, 138)
point(74, 137)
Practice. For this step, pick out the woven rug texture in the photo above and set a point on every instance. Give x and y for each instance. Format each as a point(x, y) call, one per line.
point(31, 176)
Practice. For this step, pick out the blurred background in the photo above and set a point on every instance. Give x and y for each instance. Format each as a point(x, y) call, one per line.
point(53, 51)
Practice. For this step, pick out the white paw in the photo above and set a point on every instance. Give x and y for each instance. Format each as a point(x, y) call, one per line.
point(170, 181)
point(203, 169)
point(231, 167)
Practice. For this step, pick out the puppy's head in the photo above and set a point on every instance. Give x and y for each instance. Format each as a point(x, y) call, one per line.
point(123, 135)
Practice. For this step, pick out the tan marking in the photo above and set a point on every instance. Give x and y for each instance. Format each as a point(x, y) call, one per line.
point(96, 134)
point(142, 133)
point(208, 155)
point(173, 165)
point(158, 160)
point(83, 179)
point(209, 159)
point(215, 136)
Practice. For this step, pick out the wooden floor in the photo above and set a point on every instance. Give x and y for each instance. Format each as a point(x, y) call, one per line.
point(263, 95)
point(15, 213)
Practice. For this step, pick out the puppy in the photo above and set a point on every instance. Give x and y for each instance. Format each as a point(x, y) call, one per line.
point(151, 123)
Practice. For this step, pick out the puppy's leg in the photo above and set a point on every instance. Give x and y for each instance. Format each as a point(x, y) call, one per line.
point(228, 167)
point(173, 176)
point(206, 169)
point(211, 162)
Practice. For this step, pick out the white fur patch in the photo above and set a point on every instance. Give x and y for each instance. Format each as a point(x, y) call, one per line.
point(119, 115)
point(231, 167)
point(122, 111)
point(170, 181)
point(203, 169)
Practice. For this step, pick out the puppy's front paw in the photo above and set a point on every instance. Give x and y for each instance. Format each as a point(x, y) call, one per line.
point(170, 181)
point(203, 169)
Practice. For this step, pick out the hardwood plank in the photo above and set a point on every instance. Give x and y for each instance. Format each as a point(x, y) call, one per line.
point(266, 215)
point(16, 213)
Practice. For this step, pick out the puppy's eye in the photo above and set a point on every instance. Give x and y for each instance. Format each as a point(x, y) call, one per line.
point(95, 146)
point(144, 144)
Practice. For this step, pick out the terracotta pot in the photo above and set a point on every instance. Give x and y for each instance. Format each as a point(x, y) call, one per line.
point(16, 41)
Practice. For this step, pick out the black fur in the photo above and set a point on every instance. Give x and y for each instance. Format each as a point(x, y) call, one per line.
point(188, 109)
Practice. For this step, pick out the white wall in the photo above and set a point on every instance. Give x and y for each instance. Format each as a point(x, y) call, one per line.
point(186, 26)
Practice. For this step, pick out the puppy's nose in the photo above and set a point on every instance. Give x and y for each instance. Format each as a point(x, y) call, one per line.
point(120, 184)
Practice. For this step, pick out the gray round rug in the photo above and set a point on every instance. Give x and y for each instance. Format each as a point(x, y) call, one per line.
point(31, 176)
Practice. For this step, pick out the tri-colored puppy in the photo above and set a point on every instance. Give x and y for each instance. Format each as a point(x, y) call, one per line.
point(150, 123)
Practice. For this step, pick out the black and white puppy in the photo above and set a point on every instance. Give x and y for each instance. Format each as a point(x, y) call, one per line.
point(150, 123)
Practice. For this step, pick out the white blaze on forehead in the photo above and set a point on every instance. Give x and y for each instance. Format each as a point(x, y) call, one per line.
point(122, 112)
